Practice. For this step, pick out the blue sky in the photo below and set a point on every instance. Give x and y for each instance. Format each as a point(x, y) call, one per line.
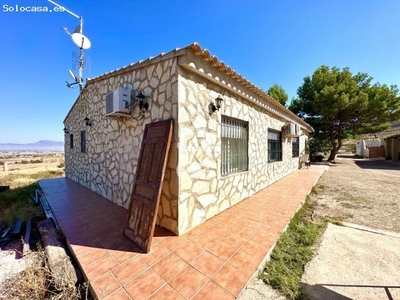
point(265, 41)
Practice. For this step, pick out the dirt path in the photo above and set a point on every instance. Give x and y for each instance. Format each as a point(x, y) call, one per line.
point(360, 191)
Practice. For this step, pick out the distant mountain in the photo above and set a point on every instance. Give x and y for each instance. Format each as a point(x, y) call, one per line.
point(41, 146)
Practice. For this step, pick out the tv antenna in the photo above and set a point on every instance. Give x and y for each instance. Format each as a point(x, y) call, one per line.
point(79, 40)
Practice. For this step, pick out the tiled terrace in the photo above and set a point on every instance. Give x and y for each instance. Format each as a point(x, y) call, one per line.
point(213, 261)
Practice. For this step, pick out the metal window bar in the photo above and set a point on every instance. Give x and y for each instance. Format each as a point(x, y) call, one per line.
point(295, 147)
point(234, 146)
point(83, 141)
point(274, 146)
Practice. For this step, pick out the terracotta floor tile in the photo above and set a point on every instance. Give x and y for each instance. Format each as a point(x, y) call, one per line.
point(253, 224)
point(207, 263)
point(205, 239)
point(144, 285)
point(80, 236)
point(264, 238)
point(119, 295)
point(243, 231)
point(166, 293)
point(173, 242)
point(156, 253)
point(212, 291)
point(100, 267)
point(91, 256)
point(192, 233)
point(109, 232)
point(188, 251)
point(91, 222)
point(114, 242)
point(218, 230)
point(123, 254)
point(105, 285)
point(230, 279)
point(244, 262)
point(169, 266)
point(129, 269)
point(188, 282)
point(256, 250)
point(90, 217)
point(222, 250)
point(234, 240)
point(81, 248)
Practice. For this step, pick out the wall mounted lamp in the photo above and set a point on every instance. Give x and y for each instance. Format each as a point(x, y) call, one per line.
point(215, 106)
point(139, 101)
point(66, 131)
point(87, 121)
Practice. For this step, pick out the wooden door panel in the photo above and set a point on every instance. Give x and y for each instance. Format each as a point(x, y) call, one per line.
point(147, 186)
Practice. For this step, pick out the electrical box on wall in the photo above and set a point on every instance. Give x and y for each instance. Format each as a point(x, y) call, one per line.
point(116, 102)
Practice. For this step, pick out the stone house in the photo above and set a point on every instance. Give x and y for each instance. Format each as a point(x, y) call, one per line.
point(218, 156)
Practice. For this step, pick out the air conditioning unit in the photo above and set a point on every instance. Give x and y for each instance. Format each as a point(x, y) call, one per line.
point(292, 130)
point(116, 102)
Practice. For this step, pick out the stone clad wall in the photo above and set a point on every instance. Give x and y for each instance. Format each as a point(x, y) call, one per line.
point(193, 188)
point(203, 192)
point(113, 144)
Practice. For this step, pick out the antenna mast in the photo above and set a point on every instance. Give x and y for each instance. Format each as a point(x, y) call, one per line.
point(81, 41)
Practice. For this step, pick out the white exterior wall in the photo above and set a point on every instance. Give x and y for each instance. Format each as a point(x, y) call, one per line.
point(193, 188)
point(203, 192)
point(113, 144)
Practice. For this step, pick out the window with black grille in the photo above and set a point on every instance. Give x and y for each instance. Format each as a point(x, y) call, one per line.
point(274, 145)
point(83, 141)
point(295, 147)
point(234, 142)
point(71, 141)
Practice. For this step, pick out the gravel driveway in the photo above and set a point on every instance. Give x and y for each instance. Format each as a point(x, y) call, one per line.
point(360, 191)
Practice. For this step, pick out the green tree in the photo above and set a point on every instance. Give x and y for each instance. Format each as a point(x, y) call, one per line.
point(278, 93)
point(336, 102)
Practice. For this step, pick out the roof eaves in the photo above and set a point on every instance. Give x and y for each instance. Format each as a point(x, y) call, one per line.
point(272, 104)
point(141, 63)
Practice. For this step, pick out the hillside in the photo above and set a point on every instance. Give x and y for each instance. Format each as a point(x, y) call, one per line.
point(40, 146)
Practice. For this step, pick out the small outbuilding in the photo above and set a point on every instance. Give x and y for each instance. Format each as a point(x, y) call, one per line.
point(230, 139)
point(393, 147)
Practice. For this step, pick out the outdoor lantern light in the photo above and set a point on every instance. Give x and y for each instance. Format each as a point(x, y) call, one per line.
point(66, 131)
point(87, 121)
point(141, 100)
point(217, 105)
point(137, 101)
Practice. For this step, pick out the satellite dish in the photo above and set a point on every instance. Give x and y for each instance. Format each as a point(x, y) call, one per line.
point(72, 75)
point(81, 41)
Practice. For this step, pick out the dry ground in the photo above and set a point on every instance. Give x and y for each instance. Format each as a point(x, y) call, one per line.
point(353, 190)
point(360, 191)
point(22, 174)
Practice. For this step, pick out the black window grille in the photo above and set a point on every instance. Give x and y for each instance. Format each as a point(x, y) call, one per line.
point(83, 141)
point(295, 147)
point(71, 141)
point(234, 141)
point(274, 145)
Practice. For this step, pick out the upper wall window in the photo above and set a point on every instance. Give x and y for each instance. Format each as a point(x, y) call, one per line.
point(234, 142)
point(71, 141)
point(274, 145)
point(295, 147)
point(83, 141)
